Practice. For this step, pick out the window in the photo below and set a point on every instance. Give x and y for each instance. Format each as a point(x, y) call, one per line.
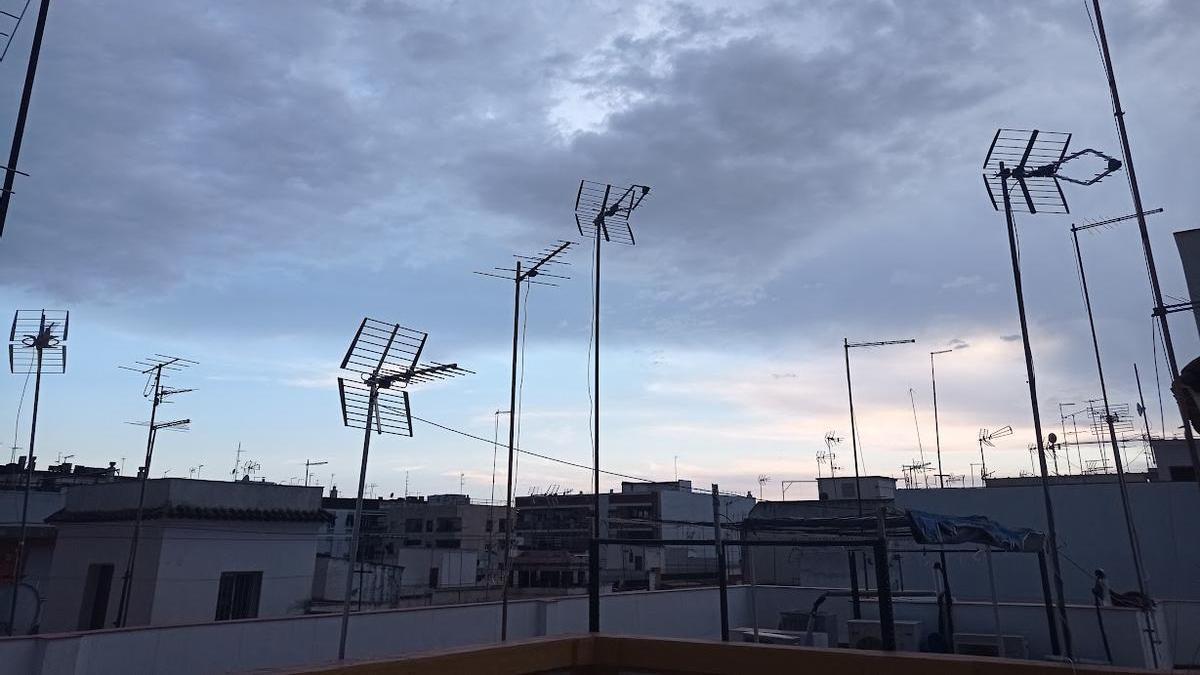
point(487, 527)
point(449, 543)
point(412, 524)
point(237, 597)
point(429, 526)
point(95, 596)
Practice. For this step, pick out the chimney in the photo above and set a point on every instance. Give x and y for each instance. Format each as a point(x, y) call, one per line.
point(333, 492)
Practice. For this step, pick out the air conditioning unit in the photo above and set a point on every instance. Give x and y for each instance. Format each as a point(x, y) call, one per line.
point(982, 644)
point(784, 637)
point(867, 634)
point(823, 622)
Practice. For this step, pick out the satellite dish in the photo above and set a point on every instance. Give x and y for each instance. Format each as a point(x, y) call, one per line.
point(1052, 438)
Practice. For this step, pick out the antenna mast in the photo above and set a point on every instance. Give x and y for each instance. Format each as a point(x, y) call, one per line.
point(36, 343)
point(601, 210)
point(1032, 162)
point(524, 271)
point(156, 368)
point(385, 360)
point(847, 345)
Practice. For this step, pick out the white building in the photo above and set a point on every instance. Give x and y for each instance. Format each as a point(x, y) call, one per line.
point(208, 551)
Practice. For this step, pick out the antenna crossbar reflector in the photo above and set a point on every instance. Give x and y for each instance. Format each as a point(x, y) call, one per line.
point(380, 348)
point(34, 331)
point(390, 414)
point(606, 207)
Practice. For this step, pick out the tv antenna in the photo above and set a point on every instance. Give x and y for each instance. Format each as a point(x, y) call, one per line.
point(763, 479)
point(384, 359)
point(831, 441)
point(910, 471)
point(249, 468)
point(157, 368)
point(194, 472)
point(525, 269)
point(602, 211)
point(36, 344)
point(847, 345)
point(1032, 161)
point(985, 438)
point(14, 152)
point(308, 464)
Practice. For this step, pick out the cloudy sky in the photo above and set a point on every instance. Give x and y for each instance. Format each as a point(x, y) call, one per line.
point(239, 183)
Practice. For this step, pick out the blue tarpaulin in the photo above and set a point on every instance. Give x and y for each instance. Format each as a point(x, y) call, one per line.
point(933, 528)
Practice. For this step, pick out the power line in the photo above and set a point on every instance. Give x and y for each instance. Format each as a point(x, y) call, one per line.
point(531, 453)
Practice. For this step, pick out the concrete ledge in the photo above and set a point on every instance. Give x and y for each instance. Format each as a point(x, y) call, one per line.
point(617, 654)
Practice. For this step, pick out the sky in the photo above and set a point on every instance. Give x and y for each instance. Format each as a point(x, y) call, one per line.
point(240, 183)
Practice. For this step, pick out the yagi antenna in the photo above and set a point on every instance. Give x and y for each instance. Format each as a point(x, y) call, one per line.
point(385, 359)
point(156, 368)
point(525, 269)
point(37, 344)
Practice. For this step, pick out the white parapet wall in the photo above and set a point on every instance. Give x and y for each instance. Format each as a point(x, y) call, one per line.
point(241, 646)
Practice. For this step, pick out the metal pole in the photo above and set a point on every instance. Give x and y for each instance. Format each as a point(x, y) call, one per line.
point(1063, 421)
point(854, 599)
point(948, 600)
point(14, 152)
point(594, 549)
point(1164, 325)
point(1145, 419)
point(887, 616)
point(722, 581)
point(853, 428)
point(1033, 400)
point(748, 564)
point(1049, 603)
point(937, 435)
point(357, 529)
point(512, 406)
point(127, 582)
point(982, 464)
point(19, 566)
point(995, 602)
point(1134, 548)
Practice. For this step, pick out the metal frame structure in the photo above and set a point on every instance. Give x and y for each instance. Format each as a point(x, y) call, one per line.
point(37, 342)
point(14, 152)
point(520, 275)
point(1032, 161)
point(847, 345)
point(156, 368)
point(599, 213)
point(385, 357)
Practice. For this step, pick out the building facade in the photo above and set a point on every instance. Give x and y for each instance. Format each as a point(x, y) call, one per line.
point(554, 532)
point(208, 551)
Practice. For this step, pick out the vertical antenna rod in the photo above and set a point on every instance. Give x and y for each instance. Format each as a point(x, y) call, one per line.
point(1135, 192)
point(937, 432)
point(1134, 548)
